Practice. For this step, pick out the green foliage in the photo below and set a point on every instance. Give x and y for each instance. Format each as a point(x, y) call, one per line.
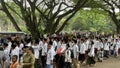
point(91, 20)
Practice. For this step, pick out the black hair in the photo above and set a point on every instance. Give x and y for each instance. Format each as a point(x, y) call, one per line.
point(13, 45)
point(5, 44)
point(75, 41)
point(9, 38)
point(25, 47)
point(45, 39)
point(32, 50)
point(15, 56)
point(50, 43)
point(68, 45)
point(92, 42)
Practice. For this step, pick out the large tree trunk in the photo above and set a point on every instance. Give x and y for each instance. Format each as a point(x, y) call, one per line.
point(116, 21)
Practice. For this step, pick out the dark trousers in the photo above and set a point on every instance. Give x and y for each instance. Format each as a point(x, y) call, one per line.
point(43, 61)
point(90, 60)
point(37, 63)
point(68, 65)
point(81, 57)
point(60, 62)
point(106, 53)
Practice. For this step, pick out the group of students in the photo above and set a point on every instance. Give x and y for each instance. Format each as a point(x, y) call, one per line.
point(57, 52)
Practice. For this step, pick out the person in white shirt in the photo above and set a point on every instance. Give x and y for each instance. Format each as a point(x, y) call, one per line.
point(54, 43)
point(9, 44)
point(40, 44)
point(75, 53)
point(91, 54)
point(100, 50)
point(60, 62)
point(21, 45)
point(116, 48)
point(106, 48)
point(44, 52)
point(50, 55)
point(5, 59)
point(28, 43)
point(82, 51)
point(14, 51)
point(112, 47)
point(68, 59)
point(35, 46)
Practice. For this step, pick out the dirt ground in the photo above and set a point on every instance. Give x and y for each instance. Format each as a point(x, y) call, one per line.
point(108, 63)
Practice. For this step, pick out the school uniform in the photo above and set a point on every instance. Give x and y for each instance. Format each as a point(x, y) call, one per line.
point(68, 59)
point(75, 52)
point(106, 49)
point(14, 52)
point(100, 51)
point(44, 53)
point(36, 53)
point(60, 56)
point(6, 57)
point(50, 57)
point(91, 55)
point(82, 52)
point(116, 49)
point(9, 46)
point(20, 49)
point(54, 45)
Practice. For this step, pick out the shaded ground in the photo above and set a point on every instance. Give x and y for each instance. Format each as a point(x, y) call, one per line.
point(109, 63)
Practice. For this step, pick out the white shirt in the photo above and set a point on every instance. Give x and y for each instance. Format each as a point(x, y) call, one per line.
point(96, 45)
point(68, 56)
point(29, 44)
point(50, 56)
point(20, 48)
point(36, 51)
point(15, 52)
point(40, 45)
point(63, 46)
point(87, 44)
point(54, 44)
point(44, 49)
point(75, 50)
point(117, 46)
point(92, 51)
point(6, 54)
point(99, 45)
point(106, 46)
point(82, 48)
point(9, 46)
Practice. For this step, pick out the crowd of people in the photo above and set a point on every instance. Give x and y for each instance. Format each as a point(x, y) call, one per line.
point(58, 51)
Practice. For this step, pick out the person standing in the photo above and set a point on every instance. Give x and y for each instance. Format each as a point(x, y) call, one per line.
point(28, 59)
point(68, 60)
point(106, 48)
point(14, 63)
point(44, 53)
point(82, 51)
point(75, 52)
point(35, 46)
point(50, 55)
point(91, 55)
point(5, 59)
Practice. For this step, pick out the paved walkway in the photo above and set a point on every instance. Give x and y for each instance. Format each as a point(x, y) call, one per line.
point(109, 63)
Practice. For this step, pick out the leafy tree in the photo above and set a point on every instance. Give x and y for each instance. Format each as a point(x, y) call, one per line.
point(110, 7)
point(91, 20)
point(41, 16)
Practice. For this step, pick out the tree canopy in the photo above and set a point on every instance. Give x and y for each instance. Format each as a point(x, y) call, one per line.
point(42, 16)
